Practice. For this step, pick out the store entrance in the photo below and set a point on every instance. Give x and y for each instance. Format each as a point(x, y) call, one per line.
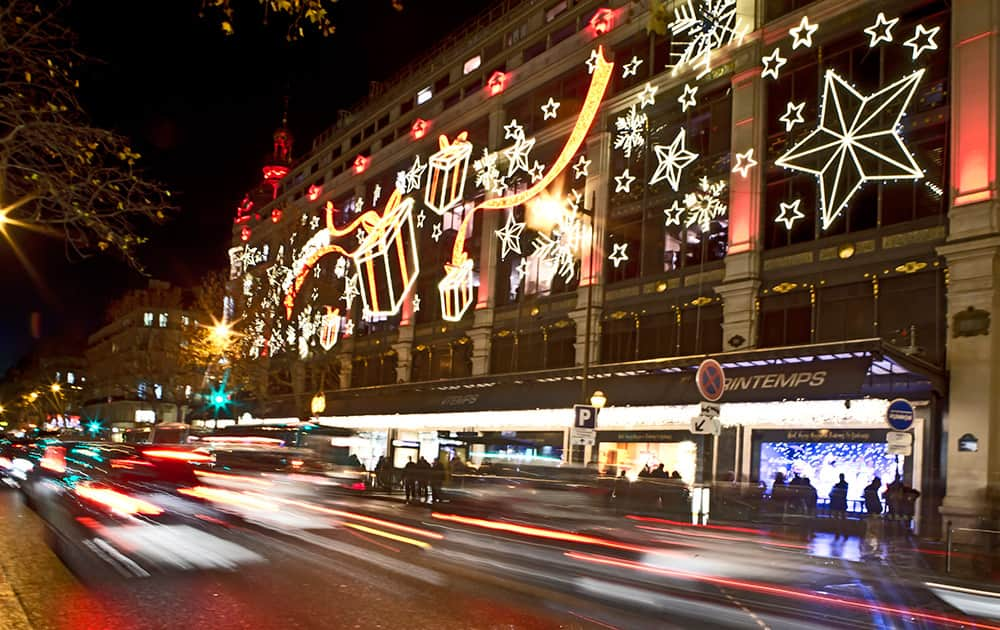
point(631, 457)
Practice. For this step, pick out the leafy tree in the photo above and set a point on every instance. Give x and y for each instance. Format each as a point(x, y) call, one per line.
point(303, 16)
point(58, 173)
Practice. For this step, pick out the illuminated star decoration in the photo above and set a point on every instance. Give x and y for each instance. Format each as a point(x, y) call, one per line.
point(852, 145)
point(314, 223)
point(350, 291)
point(793, 115)
point(416, 303)
point(631, 131)
point(414, 176)
point(421, 217)
point(631, 69)
point(219, 397)
point(671, 160)
point(687, 99)
point(744, 162)
point(361, 235)
point(618, 255)
point(517, 155)
point(522, 269)
point(593, 61)
point(513, 130)
point(537, 171)
point(349, 328)
point(436, 232)
point(550, 109)
point(802, 35)
point(928, 42)
point(705, 205)
point(340, 268)
point(674, 214)
point(623, 182)
point(510, 236)
point(772, 64)
point(647, 96)
point(701, 26)
point(881, 30)
point(580, 169)
point(789, 214)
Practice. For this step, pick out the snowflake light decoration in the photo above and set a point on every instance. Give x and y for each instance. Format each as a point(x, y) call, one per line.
point(701, 26)
point(705, 205)
point(671, 160)
point(487, 173)
point(557, 251)
point(631, 131)
point(856, 140)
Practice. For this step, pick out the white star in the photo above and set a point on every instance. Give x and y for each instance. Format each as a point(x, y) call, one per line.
point(671, 160)
point(513, 131)
point(416, 303)
point(313, 223)
point(522, 270)
point(592, 62)
point(376, 194)
point(436, 232)
point(350, 291)
point(550, 109)
point(510, 236)
point(687, 99)
point(647, 96)
point(744, 162)
point(618, 255)
point(317, 271)
point(631, 69)
point(856, 140)
point(881, 30)
point(623, 182)
point(340, 268)
point(674, 214)
point(304, 219)
point(349, 328)
point(537, 171)
point(414, 177)
point(361, 235)
point(517, 156)
point(421, 217)
point(580, 169)
point(928, 44)
point(792, 115)
point(802, 35)
point(777, 60)
point(789, 213)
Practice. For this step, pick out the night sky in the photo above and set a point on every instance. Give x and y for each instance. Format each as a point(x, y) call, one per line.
point(201, 108)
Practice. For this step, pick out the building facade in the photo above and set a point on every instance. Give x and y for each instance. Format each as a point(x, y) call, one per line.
point(573, 196)
point(135, 372)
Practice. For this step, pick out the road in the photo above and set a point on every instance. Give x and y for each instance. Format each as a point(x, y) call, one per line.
point(344, 562)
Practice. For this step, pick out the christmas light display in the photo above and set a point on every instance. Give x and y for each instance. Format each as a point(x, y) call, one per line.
point(705, 205)
point(513, 131)
point(330, 328)
point(517, 155)
point(618, 254)
point(510, 236)
point(701, 26)
point(488, 175)
point(631, 69)
point(792, 115)
point(631, 131)
point(623, 182)
point(744, 162)
point(550, 109)
point(648, 95)
point(412, 178)
point(671, 160)
point(881, 30)
point(415, 302)
point(244, 211)
point(772, 64)
point(419, 128)
point(449, 168)
point(581, 168)
point(593, 61)
point(436, 232)
point(803, 33)
point(421, 217)
point(856, 140)
point(558, 250)
point(361, 164)
point(314, 191)
point(602, 21)
point(790, 213)
point(674, 215)
point(245, 233)
point(351, 291)
point(923, 39)
point(687, 99)
point(456, 290)
point(314, 222)
point(496, 83)
point(387, 261)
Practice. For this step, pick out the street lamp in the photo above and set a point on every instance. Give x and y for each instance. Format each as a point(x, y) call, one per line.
point(598, 399)
point(221, 332)
point(318, 404)
point(55, 387)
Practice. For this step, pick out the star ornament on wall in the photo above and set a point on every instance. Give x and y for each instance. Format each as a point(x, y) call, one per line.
point(674, 214)
point(790, 213)
point(671, 160)
point(923, 39)
point(436, 232)
point(687, 99)
point(881, 30)
point(631, 69)
point(623, 182)
point(550, 109)
point(592, 61)
point(772, 64)
point(802, 35)
point(416, 303)
point(857, 140)
point(744, 162)
point(421, 217)
point(510, 237)
point(647, 96)
point(793, 115)
point(580, 169)
point(618, 254)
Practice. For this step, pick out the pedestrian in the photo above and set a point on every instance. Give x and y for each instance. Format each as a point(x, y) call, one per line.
point(620, 492)
point(894, 497)
point(909, 507)
point(838, 505)
point(410, 480)
point(675, 475)
point(809, 497)
point(779, 495)
point(659, 472)
point(645, 472)
point(437, 480)
point(873, 522)
point(423, 479)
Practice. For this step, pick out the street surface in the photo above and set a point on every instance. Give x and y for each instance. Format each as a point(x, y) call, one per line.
point(349, 562)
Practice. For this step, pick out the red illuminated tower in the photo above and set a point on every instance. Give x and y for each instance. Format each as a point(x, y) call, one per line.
point(275, 168)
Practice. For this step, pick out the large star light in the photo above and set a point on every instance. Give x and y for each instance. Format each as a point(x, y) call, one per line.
point(510, 236)
point(671, 160)
point(857, 140)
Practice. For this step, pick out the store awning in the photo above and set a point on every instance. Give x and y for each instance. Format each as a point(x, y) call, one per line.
point(844, 370)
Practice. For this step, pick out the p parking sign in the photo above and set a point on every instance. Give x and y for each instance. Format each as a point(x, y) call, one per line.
point(584, 417)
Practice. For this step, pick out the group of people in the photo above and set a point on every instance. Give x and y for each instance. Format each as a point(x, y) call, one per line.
point(423, 480)
point(654, 489)
point(659, 472)
point(794, 496)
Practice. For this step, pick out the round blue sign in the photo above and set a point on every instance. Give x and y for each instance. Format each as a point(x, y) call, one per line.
point(900, 414)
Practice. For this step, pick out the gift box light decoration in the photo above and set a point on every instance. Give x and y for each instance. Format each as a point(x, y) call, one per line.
point(456, 290)
point(329, 330)
point(387, 260)
point(448, 170)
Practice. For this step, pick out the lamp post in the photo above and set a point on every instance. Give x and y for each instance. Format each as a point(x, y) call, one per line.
point(598, 399)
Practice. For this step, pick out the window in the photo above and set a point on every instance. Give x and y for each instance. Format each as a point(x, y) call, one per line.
point(911, 311)
point(502, 352)
point(424, 95)
point(517, 34)
point(70, 378)
point(185, 320)
point(701, 330)
point(158, 391)
point(58, 376)
point(421, 369)
point(560, 346)
point(141, 390)
point(472, 64)
point(555, 10)
point(658, 335)
point(187, 391)
point(147, 318)
point(618, 337)
point(163, 320)
point(845, 312)
point(785, 320)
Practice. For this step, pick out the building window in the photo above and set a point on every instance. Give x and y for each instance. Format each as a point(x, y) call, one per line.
point(187, 391)
point(147, 318)
point(555, 10)
point(158, 391)
point(141, 390)
point(911, 313)
point(424, 95)
point(701, 330)
point(163, 320)
point(658, 335)
point(421, 369)
point(502, 352)
point(560, 345)
point(185, 320)
point(58, 376)
point(618, 337)
point(845, 312)
point(472, 64)
point(70, 378)
point(785, 320)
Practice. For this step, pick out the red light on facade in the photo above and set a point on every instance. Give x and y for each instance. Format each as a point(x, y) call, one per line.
point(243, 211)
point(497, 83)
point(419, 129)
point(275, 215)
point(603, 21)
point(275, 172)
point(360, 164)
point(245, 234)
point(314, 192)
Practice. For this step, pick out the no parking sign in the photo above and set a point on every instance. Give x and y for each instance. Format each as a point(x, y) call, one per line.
point(711, 380)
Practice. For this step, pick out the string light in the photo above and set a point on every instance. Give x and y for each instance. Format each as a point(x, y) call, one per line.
point(631, 131)
point(744, 162)
point(772, 64)
point(789, 214)
point(881, 30)
point(803, 33)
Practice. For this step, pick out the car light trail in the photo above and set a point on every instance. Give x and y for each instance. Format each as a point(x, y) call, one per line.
point(117, 502)
point(389, 535)
point(361, 517)
point(230, 498)
point(237, 478)
point(714, 536)
point(726, 528)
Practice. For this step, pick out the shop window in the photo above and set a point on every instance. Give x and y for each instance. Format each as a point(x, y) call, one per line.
point(911, 312)
point(421, 368)
point(502, 352)
point(147, 318)
point(618, 338)
point(785, 320)
point(845, 312)
point(461, 358)
point(701, 330)
point(530, 350)
point(560, 347)
point(163, 320)
point(658, 335)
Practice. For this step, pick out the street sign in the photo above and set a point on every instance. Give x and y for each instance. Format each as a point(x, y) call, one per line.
point(898, 438)
point(900, 414)
point(711, 380)
point(584, 417)
point(582, 437)
point(710, 409)
point(706, 425)
point(900, 449)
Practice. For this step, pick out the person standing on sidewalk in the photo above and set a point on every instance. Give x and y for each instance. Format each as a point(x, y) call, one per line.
point(873, 524)
point(410, 480)
point(838, 505)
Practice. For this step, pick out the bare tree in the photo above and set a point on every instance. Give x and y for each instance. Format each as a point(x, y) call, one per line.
point(57, 171)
